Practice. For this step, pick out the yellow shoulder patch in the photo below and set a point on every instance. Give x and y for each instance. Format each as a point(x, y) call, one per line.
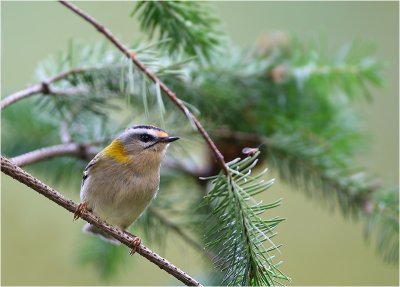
point(161, 134)
point(116, 151)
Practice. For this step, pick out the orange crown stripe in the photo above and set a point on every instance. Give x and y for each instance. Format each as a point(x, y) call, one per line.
point(161, 134)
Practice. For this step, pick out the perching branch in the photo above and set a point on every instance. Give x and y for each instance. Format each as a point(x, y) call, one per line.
point(132, 56)
point(22, 176)
point(87, 152)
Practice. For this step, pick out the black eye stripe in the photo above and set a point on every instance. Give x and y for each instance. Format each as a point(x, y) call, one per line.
point(146, 138)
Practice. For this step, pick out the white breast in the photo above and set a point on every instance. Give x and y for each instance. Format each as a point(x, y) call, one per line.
point(120, 197)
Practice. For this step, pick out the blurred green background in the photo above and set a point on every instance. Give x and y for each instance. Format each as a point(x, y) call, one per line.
point(39, 241)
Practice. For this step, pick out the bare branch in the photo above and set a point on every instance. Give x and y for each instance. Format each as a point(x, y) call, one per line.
point(132, 56)
point(43, 88)
point(32, 90)
point(84, 151)
point(22, 176)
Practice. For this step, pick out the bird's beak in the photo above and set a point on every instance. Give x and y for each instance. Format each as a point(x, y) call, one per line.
point(168, 139)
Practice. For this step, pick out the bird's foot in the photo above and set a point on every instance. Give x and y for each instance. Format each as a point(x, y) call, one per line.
point(81, 207)
point(135, 243)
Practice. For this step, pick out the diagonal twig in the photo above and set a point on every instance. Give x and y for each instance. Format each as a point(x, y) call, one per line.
point(132, 56)
point(22, 176)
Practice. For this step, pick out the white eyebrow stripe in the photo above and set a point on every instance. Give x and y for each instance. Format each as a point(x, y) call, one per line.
point(145, 131)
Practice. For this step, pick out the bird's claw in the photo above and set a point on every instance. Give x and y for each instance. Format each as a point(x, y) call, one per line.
point(81, 207)
point(134, 245)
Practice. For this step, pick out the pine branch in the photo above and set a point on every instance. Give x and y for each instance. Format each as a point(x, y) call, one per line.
point(255, 271)
point(93, 62)
point(132, 56)
point(315, 172)
point(354, 193)
point(237, 233)
point(358, 196)
point(183, 26)
point(20, 175)
point(383, 220)
point(109, 80)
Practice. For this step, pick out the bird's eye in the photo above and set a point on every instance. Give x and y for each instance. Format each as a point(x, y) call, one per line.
point(146, 138)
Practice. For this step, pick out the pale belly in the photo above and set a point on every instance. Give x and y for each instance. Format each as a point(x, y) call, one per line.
point(120, 198)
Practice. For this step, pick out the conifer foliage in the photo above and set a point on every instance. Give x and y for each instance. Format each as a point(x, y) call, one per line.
point(288, 97)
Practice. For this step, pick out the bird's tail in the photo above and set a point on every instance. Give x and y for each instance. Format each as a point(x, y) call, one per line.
point(88, 228)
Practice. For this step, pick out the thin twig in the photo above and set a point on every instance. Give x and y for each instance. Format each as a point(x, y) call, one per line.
point(66, 74)
point(22, 176)
point(132, 56)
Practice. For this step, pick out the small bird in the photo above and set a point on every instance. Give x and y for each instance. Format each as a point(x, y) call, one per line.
point(121, 180)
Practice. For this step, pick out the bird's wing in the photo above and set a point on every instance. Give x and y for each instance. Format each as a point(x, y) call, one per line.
point(90, 166)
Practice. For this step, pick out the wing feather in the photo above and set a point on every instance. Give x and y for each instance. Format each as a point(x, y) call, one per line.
point(87, 169)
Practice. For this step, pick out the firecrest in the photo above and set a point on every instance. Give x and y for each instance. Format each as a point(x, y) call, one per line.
point(121, 180)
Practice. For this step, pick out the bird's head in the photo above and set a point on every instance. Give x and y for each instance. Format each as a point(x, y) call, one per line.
point(144, 144)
